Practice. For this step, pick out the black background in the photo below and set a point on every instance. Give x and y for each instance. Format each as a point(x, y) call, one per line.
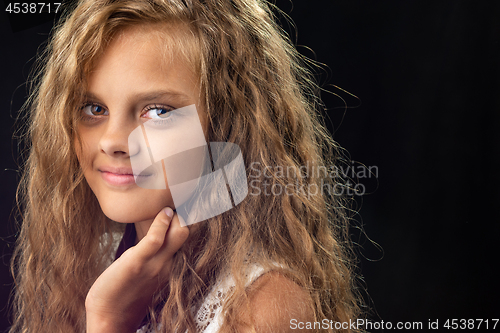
point(426, 77)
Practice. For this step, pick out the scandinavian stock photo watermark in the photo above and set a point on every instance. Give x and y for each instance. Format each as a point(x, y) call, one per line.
point(370, 325)
point(261, 179)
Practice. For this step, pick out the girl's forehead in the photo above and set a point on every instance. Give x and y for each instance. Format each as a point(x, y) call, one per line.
point(169, 42)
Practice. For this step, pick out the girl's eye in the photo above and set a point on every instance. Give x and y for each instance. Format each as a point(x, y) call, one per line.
point(157, 112)
point(94, 110)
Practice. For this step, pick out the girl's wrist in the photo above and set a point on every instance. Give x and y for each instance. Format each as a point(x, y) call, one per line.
point(103, 324)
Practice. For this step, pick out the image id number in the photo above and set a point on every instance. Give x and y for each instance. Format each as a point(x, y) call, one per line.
point(32, 8)
point(471, 324)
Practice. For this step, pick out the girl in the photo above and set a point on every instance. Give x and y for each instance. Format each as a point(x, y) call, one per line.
point(276, 261)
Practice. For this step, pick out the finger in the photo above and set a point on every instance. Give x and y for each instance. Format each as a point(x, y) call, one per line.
point(155, 238)
point(176, 236)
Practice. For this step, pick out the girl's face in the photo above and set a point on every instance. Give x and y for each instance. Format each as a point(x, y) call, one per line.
point(133, 81)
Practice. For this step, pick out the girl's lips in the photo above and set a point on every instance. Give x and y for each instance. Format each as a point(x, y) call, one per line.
point(118, 179)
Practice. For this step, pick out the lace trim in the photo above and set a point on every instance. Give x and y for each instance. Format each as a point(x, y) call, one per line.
point(210, 311)
point(145, 329)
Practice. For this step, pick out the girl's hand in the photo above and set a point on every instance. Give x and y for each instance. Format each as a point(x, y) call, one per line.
point(119, 299)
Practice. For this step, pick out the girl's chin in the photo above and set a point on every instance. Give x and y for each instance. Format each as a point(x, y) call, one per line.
point(129, 218)
point(129, 214)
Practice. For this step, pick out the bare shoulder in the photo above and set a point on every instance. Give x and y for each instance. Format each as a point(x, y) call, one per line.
point(275, 301)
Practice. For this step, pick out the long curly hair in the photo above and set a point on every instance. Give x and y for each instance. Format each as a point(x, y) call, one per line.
point(259, 94)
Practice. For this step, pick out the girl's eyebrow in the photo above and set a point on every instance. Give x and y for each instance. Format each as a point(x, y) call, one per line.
point(153, 95)
point(147, 96)
point(91, 96)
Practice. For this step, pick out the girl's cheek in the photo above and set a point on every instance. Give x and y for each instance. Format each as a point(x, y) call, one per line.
point(83, 147)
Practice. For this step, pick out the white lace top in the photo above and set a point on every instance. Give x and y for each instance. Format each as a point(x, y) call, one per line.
point(209, 318)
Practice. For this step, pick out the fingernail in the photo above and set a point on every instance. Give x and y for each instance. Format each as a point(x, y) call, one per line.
point(169, 212)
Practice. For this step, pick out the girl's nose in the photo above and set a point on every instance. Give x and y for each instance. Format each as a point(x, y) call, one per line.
point(114, 141)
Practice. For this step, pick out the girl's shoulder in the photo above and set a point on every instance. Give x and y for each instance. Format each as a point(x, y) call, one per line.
point(274, 300)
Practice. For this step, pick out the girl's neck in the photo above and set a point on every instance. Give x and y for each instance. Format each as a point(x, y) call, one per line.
point(141, 229)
